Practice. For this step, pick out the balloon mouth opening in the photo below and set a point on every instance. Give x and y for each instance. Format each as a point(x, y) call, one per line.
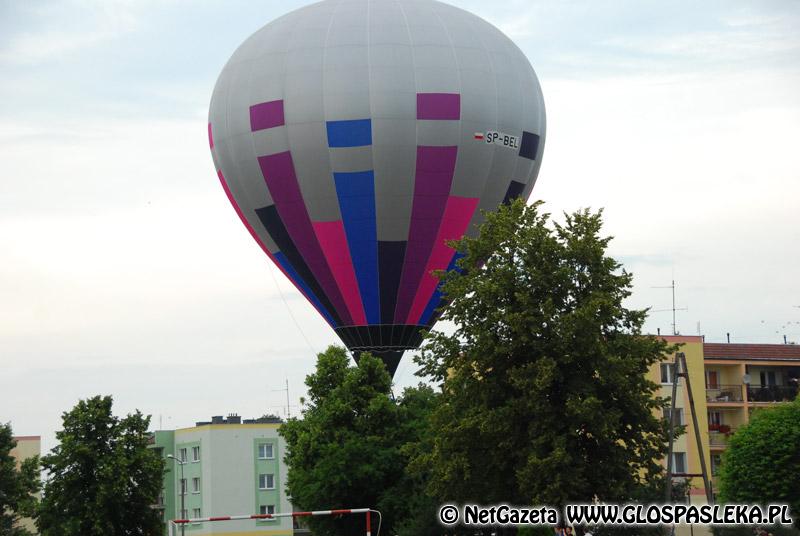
point(386, 341)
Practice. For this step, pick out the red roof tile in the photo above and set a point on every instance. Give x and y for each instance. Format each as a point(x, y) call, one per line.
point(751, 351)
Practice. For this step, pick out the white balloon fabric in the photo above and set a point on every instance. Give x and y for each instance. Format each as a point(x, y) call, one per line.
point(355, 138)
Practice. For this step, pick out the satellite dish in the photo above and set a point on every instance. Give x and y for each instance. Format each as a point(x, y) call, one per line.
point(746, 378)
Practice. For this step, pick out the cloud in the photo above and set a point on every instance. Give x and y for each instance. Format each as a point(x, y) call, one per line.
point(58, 29)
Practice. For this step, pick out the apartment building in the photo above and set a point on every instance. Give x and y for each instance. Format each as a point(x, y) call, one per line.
point(729, 383)
point(223, 467)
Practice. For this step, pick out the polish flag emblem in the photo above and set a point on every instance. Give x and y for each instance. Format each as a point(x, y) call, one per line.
point(479, 135)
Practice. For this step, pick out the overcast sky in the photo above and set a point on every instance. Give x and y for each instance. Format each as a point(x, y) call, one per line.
point(125, 271)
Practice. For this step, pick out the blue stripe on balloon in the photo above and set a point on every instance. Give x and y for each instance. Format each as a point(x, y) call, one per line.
point(436, 299)
point(352, 133)
point(281, 258)
point(356, 193)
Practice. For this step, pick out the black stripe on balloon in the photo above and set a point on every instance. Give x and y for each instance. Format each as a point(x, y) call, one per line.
point(529, 145)
point(390, 268)
point(274, 225)
point(514, 190)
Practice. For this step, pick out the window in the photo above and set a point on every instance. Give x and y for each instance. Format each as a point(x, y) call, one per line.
point(196, 485)
point(666, 372)
point(678, 462)
point(196, 513)
point(265, 451)
point(184, 514)
point(714, 418)
point(712, 379)
point(266, 509)
point(768, 378)
point(266, 481)
point(678, 416)
point(716, 463)
point(182, 454)
point(195, 454)
point(183, 486)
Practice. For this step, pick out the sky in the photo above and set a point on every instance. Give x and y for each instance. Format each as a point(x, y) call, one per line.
point(125, 271)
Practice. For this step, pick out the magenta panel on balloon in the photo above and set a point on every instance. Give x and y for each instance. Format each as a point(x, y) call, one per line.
point(457, 214)
point(438, 106)
point(432, 182)
point(279, 174)
point(210, 137)
point(266, 115)
point(333, 240)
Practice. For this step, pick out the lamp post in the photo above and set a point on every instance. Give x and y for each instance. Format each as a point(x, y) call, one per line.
point(182, 490)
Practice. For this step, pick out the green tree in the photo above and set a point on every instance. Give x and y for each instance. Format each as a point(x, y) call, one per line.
point(17, 486)
point(102, 478)
point(762, 462)
point(545, 397)
point(348, 449)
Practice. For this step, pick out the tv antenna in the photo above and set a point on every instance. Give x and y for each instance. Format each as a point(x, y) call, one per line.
point(674, 309)
point(288, 410)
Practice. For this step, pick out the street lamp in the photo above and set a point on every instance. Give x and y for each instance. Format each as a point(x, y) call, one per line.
point(182, 490)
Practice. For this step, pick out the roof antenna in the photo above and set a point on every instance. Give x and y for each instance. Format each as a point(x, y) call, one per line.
point(674, 309)
point(729, 337)
point(288, 410)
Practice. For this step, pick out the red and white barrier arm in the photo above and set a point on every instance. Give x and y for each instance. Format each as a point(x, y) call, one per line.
point(366, 511)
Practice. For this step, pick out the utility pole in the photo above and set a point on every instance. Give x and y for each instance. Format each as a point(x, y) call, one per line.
point(680, 370)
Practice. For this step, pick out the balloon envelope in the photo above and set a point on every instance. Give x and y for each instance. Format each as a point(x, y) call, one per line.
point(354, 138)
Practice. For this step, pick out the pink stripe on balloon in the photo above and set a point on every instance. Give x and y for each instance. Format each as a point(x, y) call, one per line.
point(333, 241)
point(261, 243)
point(210, 137)
point(457, 215)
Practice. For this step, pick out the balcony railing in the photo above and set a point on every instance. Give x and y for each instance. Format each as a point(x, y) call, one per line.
point(771, 393)
point(719, 438)
point(724, 393)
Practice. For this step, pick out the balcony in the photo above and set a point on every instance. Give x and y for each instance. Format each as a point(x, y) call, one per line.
point(719, 435)
point(724, 393)
point(771, 393)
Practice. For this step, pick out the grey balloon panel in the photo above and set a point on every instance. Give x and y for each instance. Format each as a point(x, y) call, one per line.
point(339, 92)
point(313, 169)
point(247, 193)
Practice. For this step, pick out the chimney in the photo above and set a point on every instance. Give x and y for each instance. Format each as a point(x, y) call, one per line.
point(233, 418)
point(729, 337)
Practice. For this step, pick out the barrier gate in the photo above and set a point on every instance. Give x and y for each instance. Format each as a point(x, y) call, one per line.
point(175, 523)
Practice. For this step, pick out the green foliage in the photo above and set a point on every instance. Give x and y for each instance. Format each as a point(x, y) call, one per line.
point(17, 486)
point(545, 396)
point(762, 462)
point(102, 477)
point(348, 451)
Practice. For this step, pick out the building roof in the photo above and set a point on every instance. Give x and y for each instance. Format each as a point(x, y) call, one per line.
point(772, 352)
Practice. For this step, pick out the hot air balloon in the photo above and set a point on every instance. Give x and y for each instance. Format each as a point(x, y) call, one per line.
point(355, 138)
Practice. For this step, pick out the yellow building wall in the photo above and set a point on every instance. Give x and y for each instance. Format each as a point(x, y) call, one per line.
point(27, 447)
point(692, 347)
